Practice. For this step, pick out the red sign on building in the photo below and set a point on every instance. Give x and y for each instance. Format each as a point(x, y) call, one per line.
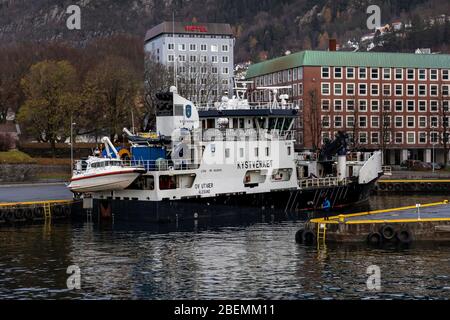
point(195, 28)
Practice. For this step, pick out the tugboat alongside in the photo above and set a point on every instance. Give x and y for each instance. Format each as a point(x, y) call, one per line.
point(229, 156)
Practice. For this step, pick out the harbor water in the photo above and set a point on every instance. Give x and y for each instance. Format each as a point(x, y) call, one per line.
point(238, 258)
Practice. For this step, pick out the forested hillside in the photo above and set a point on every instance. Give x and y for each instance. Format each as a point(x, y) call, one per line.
point(263, 28)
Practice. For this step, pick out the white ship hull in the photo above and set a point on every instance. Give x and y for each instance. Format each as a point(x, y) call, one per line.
point(112, 180)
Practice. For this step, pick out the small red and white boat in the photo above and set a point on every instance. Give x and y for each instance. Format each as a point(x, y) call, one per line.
point(103, 174)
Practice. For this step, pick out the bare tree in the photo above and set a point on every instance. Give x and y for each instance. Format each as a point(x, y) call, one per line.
point(157, 78)
point(386, 126)
point(200, 82)
point(444, 118)
point(314, 122)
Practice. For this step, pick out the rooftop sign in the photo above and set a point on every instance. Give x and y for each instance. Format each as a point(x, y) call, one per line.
point(195, 29)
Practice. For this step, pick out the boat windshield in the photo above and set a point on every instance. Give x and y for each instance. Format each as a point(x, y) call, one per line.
point(106, 164)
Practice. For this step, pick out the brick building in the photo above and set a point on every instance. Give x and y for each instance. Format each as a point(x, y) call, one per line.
point(397, 102)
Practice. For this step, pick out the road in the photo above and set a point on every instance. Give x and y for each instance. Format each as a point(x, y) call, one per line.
point(34, 192)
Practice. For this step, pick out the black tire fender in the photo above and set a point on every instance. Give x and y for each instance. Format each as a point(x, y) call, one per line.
point(404, 236)
point(388, 232)
point(299, 236)
point(308, 237)
point(374, 238)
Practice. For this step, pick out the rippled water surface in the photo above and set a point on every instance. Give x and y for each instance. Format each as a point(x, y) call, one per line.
point(237, 258)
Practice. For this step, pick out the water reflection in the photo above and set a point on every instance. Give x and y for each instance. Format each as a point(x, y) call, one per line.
point(251, 256)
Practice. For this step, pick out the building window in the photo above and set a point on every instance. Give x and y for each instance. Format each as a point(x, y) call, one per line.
point(445, 90)
point(326, 89)
point(374, 105)
point(422, 74)
point(294, 75)
point(362, 73)
point(410, 74)
point(362, 89)
point(398, 105)
point(387, 104)
point(434, 137)
point(422, 122)
point(224, 48)
point(363, 137)
point(350, 89)
point(411, 105)
point(433, 105)
point(362, 105)
point(204, 59)
point(182, 58)
point(445, 74)
point(350, 121)
point(410, 121)
point(326, 121)
point(351, 73)
point(214, 70)
point(170, 58)
point(300, 89)
point(433, 90)
point(362, 121)
point(325, 105)
point(410, 92)
point(374, 89)
point(214, 48)
point(386, 73)
point(399, 137)
point(192, 47)
point(422, 137)
point(338, 89)
point(192, 58)
point(225, 70)
point(375, 137)
point(398, 74)
point(410, 138)
point(338, 121)
point(398, 121)
point(203, 47)
point(374, 121)
point(337, 105)
point(434, 121)
point(350, 105)
point(337, 72)
point(374, 74)
point(300, 73)
point(182, 47)
point(422, 105)
point(386, 90)
point(325, 72)
point(433, 74)
point(422, 90)
point(170, 46)
point(224, 59)
point(399, 90)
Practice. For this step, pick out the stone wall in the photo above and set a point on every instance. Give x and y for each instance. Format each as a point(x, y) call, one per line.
point(13, 173)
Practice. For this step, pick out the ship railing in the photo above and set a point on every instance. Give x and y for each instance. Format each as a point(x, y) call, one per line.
point(247, 106)
point(306, 156)
point(162, 164)
point(321, 182)
point(248, 134)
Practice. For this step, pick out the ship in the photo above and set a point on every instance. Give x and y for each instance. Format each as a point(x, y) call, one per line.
point(231, 156)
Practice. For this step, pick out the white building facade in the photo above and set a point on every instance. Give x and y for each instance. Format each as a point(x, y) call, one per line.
point(195, 48)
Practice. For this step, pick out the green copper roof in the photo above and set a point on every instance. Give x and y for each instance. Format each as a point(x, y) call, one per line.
point(351, 59)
